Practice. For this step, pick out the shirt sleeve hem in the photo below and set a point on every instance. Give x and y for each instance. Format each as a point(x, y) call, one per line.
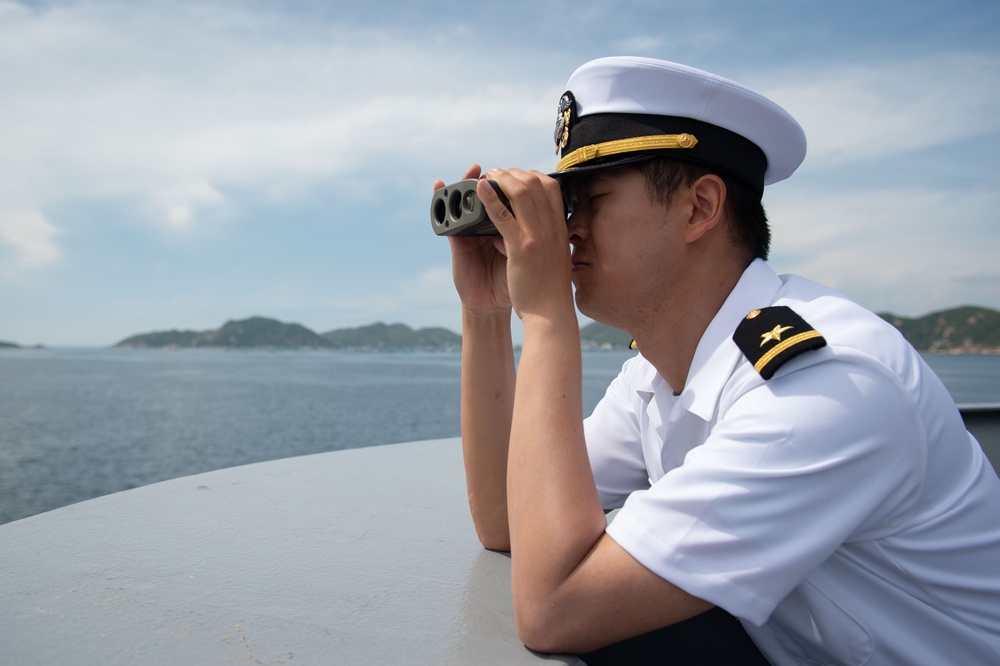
point(712, 586)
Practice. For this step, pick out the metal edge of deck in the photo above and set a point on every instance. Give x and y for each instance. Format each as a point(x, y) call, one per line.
point(983, 421)
point(356, 556)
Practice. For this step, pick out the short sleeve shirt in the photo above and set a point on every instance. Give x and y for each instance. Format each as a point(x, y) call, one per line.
point(840, 509)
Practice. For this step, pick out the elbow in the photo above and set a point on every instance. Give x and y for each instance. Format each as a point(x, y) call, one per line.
point(541, 642)
point(500, 545)
point(542, 628)
point(495, 539)
point(491, 528)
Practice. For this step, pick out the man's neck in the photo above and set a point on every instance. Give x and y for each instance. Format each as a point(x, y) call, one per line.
point(669, 337)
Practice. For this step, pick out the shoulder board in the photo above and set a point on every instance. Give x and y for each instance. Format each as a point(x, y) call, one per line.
point(773, 336)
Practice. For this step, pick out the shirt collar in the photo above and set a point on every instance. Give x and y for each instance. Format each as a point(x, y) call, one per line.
point(717, 354)
point(646, 380)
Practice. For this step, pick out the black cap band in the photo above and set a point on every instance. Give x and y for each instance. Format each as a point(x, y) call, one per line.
point(717, 148)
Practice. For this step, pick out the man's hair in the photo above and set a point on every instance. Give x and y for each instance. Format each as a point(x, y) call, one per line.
point(748, 226)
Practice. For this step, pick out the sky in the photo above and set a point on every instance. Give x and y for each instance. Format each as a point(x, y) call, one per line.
point(175, 164)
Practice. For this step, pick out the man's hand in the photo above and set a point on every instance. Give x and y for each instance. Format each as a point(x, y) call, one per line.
point(479, 267)
point(535, 240)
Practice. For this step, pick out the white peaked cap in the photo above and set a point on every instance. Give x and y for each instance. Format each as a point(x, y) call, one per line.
point(624, 109)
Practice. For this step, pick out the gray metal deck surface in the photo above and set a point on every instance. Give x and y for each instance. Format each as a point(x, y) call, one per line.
point(354, 557)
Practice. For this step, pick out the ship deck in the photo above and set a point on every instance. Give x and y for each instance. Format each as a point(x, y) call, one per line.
point(358, 556)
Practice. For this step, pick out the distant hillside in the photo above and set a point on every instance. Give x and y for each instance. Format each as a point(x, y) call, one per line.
point(600, 336)
point(169, 339)
point(264, 333)
point(11, 345)
point(259, 332)
point(962, 330)
point(252, 333)
point(387, 336)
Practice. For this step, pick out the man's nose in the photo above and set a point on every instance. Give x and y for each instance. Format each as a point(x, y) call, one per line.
point(576, 226)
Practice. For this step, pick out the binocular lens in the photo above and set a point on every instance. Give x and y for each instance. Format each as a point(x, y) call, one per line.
point(439, 211)
point(457, 211)
point(455, 204)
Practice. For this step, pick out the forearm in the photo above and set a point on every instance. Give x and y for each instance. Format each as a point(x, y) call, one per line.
point(555, 514)
point(573, 588)
point(487, 405)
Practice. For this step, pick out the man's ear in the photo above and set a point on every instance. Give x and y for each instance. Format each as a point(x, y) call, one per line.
point(708, 199)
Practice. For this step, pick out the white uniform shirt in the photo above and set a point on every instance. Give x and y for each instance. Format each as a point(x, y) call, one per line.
point(839, 509)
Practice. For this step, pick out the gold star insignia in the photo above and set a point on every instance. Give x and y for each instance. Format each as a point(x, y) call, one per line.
point(774, 334)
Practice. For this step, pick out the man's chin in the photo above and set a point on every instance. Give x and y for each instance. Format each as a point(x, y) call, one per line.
point(585, 305)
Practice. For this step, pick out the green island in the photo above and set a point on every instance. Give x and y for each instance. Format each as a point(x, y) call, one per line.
point(264, 333)
point(964, 330)
point(961, 330)
point(11, 345)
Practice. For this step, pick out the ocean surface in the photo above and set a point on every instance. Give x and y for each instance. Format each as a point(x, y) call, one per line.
point(80, 423)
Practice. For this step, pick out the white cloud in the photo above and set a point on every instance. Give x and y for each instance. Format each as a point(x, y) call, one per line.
point(192, 111)
point(850, 220)
point(640, 44)
point(173, 103)
point(427, 298)
point(908, 251)
point(29, 237)
point(433, 279)
point(179, 205)
point(880, 110)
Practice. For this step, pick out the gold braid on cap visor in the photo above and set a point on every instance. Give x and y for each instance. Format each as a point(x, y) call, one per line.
point(633, 145)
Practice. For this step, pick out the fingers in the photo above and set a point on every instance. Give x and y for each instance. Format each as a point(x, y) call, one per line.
point(534, 197)
point(495, 208)
point(534, 238)
point(473, 171)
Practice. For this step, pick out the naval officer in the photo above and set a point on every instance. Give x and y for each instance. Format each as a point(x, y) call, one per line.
point(786, 466)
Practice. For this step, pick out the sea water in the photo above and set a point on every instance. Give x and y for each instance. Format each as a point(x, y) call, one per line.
point(80, 423)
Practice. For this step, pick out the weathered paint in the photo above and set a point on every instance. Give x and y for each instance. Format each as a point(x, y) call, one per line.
point(353, 557)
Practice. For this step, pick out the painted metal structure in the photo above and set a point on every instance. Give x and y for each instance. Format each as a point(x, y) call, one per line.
point(362, 556)
point(352, 557)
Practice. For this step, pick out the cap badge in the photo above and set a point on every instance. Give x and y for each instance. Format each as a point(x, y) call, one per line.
point(564, 116)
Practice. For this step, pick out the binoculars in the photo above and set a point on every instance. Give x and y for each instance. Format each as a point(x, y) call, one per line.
point(457, 211)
